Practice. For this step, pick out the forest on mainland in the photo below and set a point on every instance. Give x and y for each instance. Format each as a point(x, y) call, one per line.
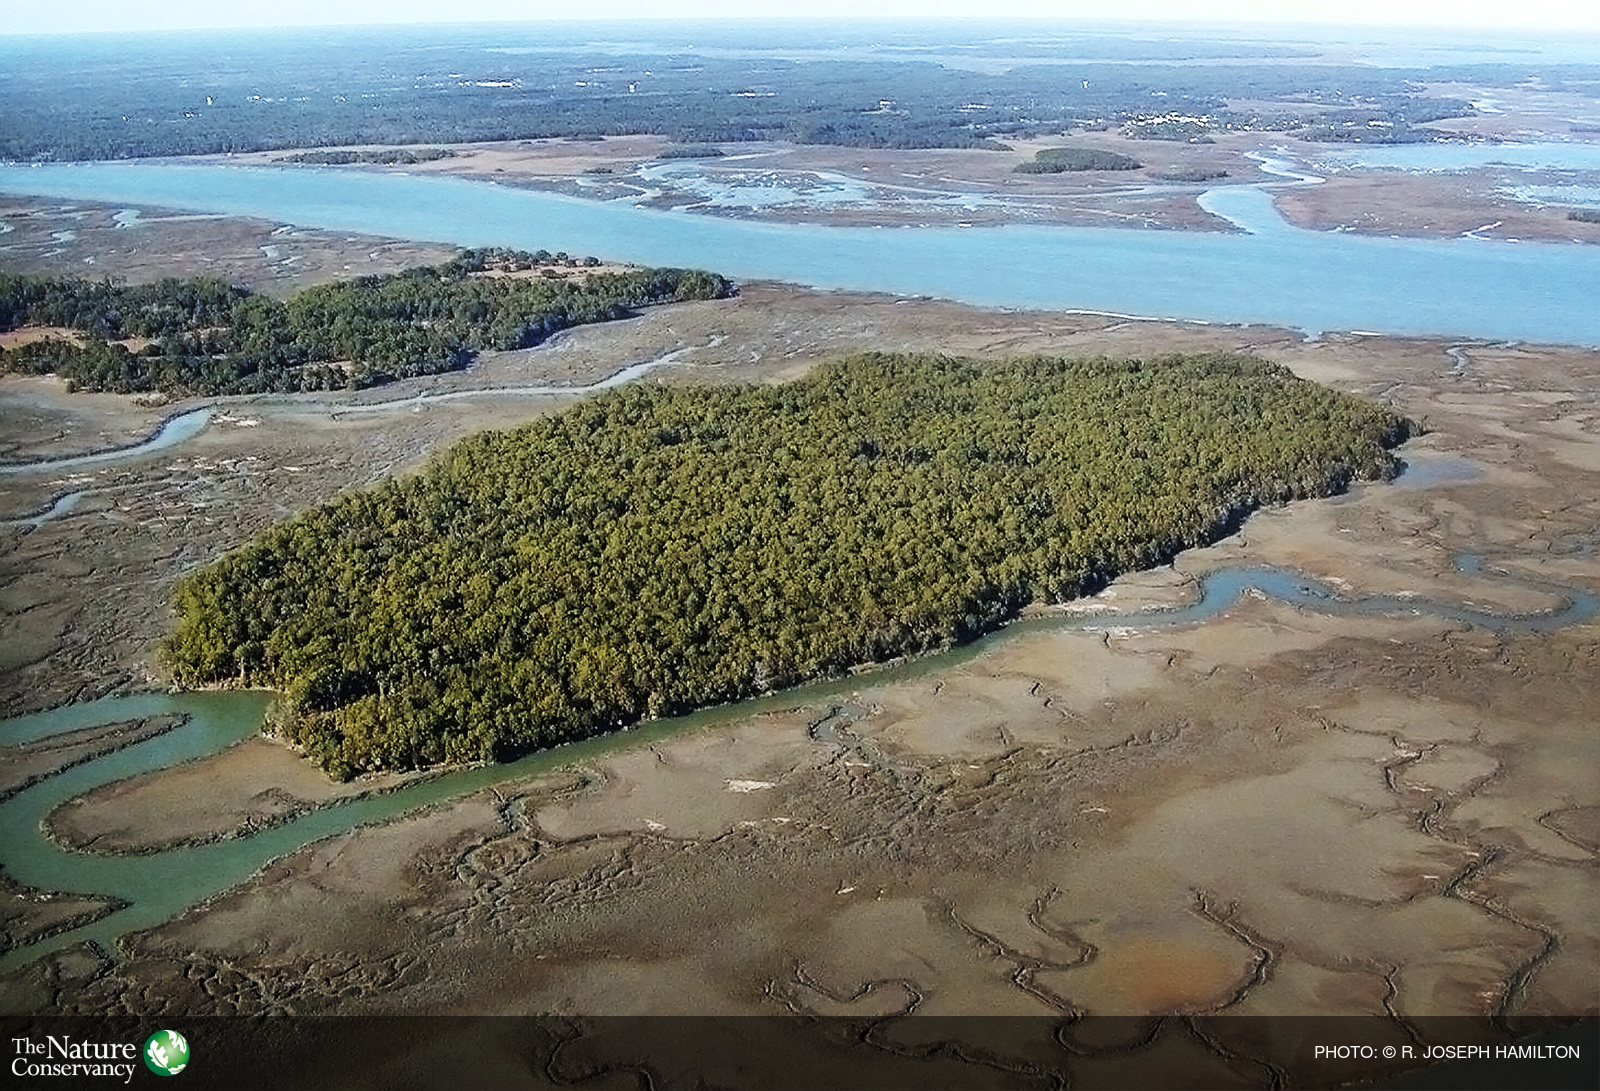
point(205, 336)
point(266, 90)
point(658, 549)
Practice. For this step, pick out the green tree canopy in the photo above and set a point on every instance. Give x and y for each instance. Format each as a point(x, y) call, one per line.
point(657, 549)
point(207, 337)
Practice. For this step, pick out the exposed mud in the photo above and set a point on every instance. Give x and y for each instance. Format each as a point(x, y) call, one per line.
point(1470, 204)
point(948, 186)
point(232, 793)
point(28, 763)
point(28, 915)
point(78, 238)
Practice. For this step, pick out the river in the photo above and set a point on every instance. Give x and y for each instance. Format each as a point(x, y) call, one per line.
point(1271, 273)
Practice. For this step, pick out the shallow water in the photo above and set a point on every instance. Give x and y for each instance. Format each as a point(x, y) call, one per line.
point(1459, 157)
point(60, 506)
point(173, 432)
point(1588, 196)
point(1249, 209)
point(1425, 471)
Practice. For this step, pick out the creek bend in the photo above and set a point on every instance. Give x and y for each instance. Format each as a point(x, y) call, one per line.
point(176, 429)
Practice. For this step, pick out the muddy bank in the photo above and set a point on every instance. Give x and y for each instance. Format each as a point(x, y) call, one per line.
point(247, 787)
point(1341, 827)
point(28, 915)
point(1428, 206)
point(28, 763)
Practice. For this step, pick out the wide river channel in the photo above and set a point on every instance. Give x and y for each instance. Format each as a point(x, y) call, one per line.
point(1265, 271)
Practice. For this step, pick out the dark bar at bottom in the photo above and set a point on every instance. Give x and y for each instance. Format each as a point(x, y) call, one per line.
point(465, 1053)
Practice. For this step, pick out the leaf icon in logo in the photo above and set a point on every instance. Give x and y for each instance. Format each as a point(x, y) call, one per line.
point(166, 1053)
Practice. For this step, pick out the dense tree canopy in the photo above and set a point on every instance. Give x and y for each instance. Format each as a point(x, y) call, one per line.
point(259, 90)
point(380, 156)
point(204, 336)
point(656, 549)
point(1062, 160)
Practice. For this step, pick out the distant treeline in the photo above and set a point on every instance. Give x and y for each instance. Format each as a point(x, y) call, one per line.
point(1584, 215)
point(273, 91)
point(205, 336)
point(658, 549)
point(385, 156)
point(693, 151)
point(1191, 174)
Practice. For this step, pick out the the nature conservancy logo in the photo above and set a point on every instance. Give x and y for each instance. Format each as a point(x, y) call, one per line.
point(166, 1053)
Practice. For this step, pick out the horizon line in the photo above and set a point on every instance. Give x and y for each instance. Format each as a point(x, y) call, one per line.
point(1219, 22)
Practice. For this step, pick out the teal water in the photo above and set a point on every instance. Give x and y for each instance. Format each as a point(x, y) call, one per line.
point(1275, 274)
point(1588, 196)
point(173, 432)
point(161, 885)
point(1541, 155)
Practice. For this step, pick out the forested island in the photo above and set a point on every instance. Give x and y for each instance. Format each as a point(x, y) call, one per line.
point(1062, 160)
point(656, 549)
point(205, 336)
point(387, 157)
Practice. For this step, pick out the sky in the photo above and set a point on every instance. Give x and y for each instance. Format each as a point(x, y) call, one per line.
point(69, 16)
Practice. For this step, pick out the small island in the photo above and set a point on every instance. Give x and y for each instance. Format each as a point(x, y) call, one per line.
point(1063, 160)
point(659, 549)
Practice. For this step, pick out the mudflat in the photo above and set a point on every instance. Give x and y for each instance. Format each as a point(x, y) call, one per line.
point(1280, 810)
point(896, 187)
point(77, 238)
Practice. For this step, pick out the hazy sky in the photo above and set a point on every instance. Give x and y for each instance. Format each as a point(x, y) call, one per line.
point(45, 16)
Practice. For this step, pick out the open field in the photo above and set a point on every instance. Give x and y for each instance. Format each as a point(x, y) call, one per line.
point(1277, 811)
